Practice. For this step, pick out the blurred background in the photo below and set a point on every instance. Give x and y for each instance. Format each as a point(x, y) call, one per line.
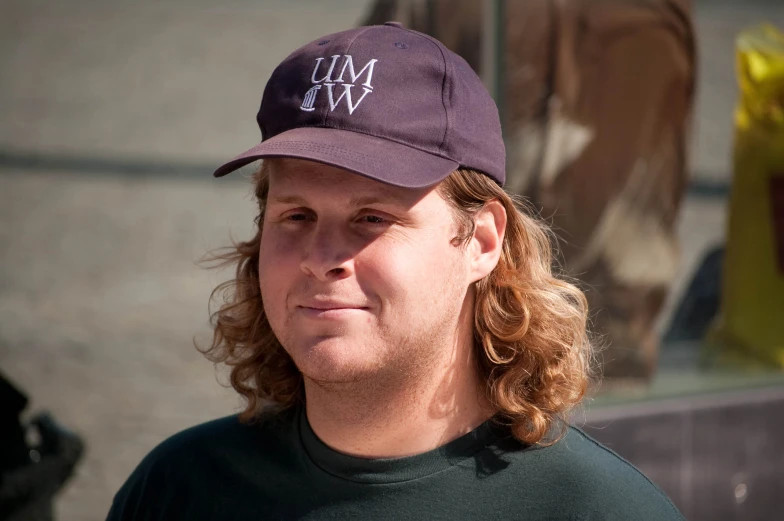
point(112, 116)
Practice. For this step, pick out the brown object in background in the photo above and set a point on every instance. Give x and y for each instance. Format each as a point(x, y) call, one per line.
point(598, 101)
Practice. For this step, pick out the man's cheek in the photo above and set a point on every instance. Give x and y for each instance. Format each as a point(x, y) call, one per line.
point(271, 294)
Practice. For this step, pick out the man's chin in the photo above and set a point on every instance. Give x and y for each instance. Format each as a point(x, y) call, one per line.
point(333, 361)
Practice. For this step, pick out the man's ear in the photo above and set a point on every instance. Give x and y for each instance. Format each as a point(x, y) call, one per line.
point(485, 246)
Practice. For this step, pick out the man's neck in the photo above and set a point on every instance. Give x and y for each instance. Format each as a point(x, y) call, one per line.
point(416, 416)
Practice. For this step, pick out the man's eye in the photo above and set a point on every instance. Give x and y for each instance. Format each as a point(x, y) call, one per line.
point(373, 219)
point(297, 217)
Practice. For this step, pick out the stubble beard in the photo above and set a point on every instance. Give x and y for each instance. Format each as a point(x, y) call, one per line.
point(410, 363)
point(402, 361)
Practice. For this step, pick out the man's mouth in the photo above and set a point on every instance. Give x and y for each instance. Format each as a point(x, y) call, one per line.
point(324, 309)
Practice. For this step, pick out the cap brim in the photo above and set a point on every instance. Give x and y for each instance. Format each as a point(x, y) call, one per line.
point(386, 161)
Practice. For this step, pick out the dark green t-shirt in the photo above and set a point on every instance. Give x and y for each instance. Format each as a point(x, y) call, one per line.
point(278, 469)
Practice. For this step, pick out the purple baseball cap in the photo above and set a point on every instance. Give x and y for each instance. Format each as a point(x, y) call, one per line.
point(384, 102)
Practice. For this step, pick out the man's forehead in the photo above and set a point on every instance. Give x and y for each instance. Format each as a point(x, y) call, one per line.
point(289, 176)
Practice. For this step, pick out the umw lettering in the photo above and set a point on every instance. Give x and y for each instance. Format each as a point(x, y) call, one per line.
point(343, 81)
point(333, 104)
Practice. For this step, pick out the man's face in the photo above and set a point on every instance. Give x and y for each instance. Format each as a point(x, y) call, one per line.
point(359, 279)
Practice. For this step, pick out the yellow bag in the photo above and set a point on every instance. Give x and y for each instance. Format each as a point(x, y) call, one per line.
point(750, 327)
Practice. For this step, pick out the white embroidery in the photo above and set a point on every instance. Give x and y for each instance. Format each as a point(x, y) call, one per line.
point(309, 100)
point(349, 63)
point(328, 77)
point(347, 94)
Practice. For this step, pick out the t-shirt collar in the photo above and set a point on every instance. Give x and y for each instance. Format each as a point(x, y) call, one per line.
point(394, 470)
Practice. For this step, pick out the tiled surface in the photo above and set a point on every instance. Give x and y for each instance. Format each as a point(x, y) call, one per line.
point(719, 460)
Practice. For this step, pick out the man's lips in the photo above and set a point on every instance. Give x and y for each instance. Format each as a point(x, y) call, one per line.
point(331, 312)
point(327, 303)
point(328, 309)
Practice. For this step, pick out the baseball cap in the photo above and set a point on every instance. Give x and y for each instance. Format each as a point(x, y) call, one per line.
point(384, 102)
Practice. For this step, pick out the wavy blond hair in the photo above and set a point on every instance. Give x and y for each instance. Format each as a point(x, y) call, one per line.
point(530, 326)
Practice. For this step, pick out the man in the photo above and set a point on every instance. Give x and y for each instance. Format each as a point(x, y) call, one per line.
point(404, 349)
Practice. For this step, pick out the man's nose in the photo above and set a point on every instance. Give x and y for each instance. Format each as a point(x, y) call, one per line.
point(327, 254)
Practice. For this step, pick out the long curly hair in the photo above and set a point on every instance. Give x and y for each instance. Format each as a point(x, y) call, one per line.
point(530, 323)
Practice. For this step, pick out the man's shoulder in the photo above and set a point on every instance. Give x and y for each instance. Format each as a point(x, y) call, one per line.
point(580, 452)
point(602, 481)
